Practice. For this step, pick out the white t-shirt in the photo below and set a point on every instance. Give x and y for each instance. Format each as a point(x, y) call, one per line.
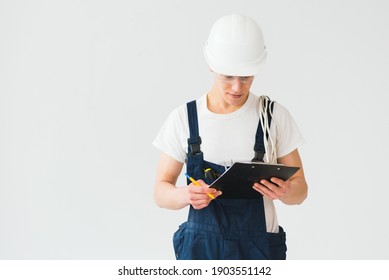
point(228, 138)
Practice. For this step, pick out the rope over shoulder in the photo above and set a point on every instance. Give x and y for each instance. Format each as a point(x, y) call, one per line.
point(266, 107)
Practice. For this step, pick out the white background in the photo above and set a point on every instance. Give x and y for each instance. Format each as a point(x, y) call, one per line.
point(86, 85)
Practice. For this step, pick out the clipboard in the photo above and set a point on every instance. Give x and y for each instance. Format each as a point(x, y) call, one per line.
point(238, 180)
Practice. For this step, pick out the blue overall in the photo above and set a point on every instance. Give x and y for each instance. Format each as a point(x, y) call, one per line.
point(226, 229)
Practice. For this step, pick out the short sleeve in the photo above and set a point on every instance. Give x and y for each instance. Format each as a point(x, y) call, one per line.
point(289, 136)
point(172, 137)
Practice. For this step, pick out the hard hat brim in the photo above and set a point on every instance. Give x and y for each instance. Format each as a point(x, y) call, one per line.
point(251, 68)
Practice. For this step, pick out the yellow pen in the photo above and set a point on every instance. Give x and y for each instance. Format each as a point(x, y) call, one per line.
point(197, 184)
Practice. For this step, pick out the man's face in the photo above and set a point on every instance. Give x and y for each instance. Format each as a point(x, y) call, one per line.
point(233, 90)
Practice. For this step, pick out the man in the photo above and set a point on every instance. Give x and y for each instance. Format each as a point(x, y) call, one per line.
point(229, 124)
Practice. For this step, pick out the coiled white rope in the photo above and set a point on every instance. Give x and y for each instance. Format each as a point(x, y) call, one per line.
point(270, 144)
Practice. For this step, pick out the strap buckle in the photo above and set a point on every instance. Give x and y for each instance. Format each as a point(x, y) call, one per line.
point(258, 157)
point(194, 146)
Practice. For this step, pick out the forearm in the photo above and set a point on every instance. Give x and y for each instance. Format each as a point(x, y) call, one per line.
point(297, 193)
point(167, 195)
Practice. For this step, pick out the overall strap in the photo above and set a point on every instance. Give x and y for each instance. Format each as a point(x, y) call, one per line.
point(194, 140)
point(259, 146)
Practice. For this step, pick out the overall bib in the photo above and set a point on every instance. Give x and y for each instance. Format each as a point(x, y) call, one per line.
point(226, 229)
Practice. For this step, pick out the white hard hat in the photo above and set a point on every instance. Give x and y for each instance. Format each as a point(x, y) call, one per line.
point(235, 46)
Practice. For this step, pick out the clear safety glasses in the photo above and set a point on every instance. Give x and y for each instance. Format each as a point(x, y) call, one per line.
point(232, 79)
